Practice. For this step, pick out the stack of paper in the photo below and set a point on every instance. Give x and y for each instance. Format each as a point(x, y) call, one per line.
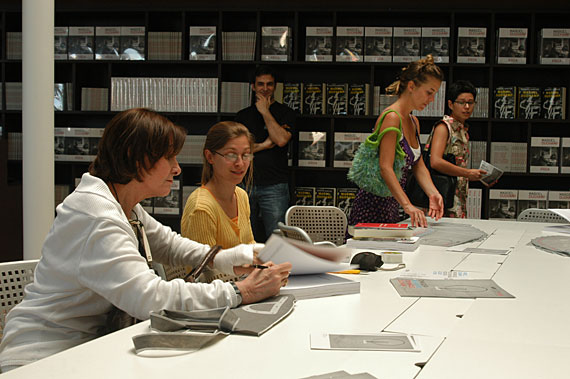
point(373, 230)
point(404, 244)
point(319, 285)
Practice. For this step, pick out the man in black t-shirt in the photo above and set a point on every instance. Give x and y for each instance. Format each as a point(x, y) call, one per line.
point(272, 124)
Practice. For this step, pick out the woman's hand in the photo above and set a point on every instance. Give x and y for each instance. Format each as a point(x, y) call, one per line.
point(435, 206)
point(263, 283)
point(417, 216)
point(475, 174)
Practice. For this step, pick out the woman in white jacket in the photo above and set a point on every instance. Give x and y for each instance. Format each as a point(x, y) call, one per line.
point(91, 264)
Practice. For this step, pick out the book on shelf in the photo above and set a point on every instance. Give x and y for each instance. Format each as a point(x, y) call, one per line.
point(493, 173)
point(478, 151)
point(60, 193)
point(345, 146)
point(349, 43)
point(14, 45)
point(76, 144)
point(544, 154)
point(59, 97)
point(235, 96)
point(511, 45)
point(313, 95)
point(503, 204)
point(107, 42)
point(276, 43)
point(169, 204)
point(304, 196)
point(319, 285)
point(192, 149)
point(312, 149)
point(482, 106)
point(378, 44)
point(358, 99)
point(344, 199)
point(305, 258)
point(474, 200)
point(554, 46)
point(554, 103)
point(292, 96)
point(80, 42)
point(164, 46)
point(14, 146)
point(132, 43)
point(325, 196)
point(381, 230)
point(559, 199)
point(531, 199)
point(509, 156)
point(471, 44)
point(437, 107)
point(60, 34)
point(407, 41)
point(529, 103)
point(565, 156)
point(238, 46)
point(94, 99)
point(337, 98)
point(382, 101)
point(318, 43)
point(505, 102)
point(435, 41)
point(202, 43)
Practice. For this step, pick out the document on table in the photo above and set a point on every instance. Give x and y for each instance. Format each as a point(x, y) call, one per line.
point(435, 274)
point(455, 288)
point(378, 341)
point(341, 375)
point(319, 285)
point(478, 250)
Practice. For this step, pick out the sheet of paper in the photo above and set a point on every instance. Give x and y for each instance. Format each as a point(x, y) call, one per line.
point(279, 250)
point(435, 274)
point(382, 341)
point(478, 250)
point(454, 288)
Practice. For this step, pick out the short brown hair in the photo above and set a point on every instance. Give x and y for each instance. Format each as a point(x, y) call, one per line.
point(133, 141)
point(217, 137)
point(418, 72)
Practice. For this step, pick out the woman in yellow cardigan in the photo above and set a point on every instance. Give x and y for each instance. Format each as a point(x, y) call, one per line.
point(217, 213)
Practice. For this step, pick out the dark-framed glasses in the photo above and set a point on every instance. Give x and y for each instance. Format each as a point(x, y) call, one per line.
point(233, 157)
point(464, 103)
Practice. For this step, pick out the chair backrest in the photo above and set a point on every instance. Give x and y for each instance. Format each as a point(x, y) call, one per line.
point(15, 276)
point(294, 232)
point(540, 215)
point(321, 223)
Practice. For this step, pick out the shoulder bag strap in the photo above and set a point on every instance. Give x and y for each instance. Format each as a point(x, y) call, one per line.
point(375, 138)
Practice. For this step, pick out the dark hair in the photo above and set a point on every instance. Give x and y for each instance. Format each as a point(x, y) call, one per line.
point(133, 141)
point(459, 87)
point(217, 137)
point(418, 72)
point(263, 70)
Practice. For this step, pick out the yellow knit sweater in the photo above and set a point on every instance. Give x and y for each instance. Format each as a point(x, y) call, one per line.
point(205, 221)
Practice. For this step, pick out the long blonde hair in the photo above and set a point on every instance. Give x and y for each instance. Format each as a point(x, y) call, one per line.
point(217, 137)
point(418, 72)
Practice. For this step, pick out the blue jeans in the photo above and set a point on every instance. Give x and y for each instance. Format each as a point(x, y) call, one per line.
point(270, 204)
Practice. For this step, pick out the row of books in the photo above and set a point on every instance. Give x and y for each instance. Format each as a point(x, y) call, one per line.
point(62, 96)
point(235, 96)
point(351, 44)
point(325, 98)
point(530, 103)
point(88, 43)
point(165, 94)
point(508, 204)
point(325, 196)
point(549, 155)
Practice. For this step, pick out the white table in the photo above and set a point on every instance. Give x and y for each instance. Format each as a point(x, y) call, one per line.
point(526, 337)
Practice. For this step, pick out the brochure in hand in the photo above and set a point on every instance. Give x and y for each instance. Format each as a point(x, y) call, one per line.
point(493, 173)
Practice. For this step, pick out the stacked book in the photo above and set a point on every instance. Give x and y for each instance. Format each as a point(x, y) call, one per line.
point(14, 45)
point(437, 107)
point(164, 46)
point(482, 107)
point(14, 146)
point(235, 96)
point(238, 46)
point(192, 149)
point(382, 236)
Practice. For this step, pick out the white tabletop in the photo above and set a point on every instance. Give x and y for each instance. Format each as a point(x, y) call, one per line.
point(525, 337)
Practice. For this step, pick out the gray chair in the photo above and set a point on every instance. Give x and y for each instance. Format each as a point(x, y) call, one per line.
point(15, 276)
point(540, 215)
point(319, 223)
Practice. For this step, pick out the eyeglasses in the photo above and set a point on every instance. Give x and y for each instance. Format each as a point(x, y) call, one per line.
point(233, 157)
point(464, 103)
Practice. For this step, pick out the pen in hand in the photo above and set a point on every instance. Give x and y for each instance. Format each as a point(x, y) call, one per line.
point(258, 266)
